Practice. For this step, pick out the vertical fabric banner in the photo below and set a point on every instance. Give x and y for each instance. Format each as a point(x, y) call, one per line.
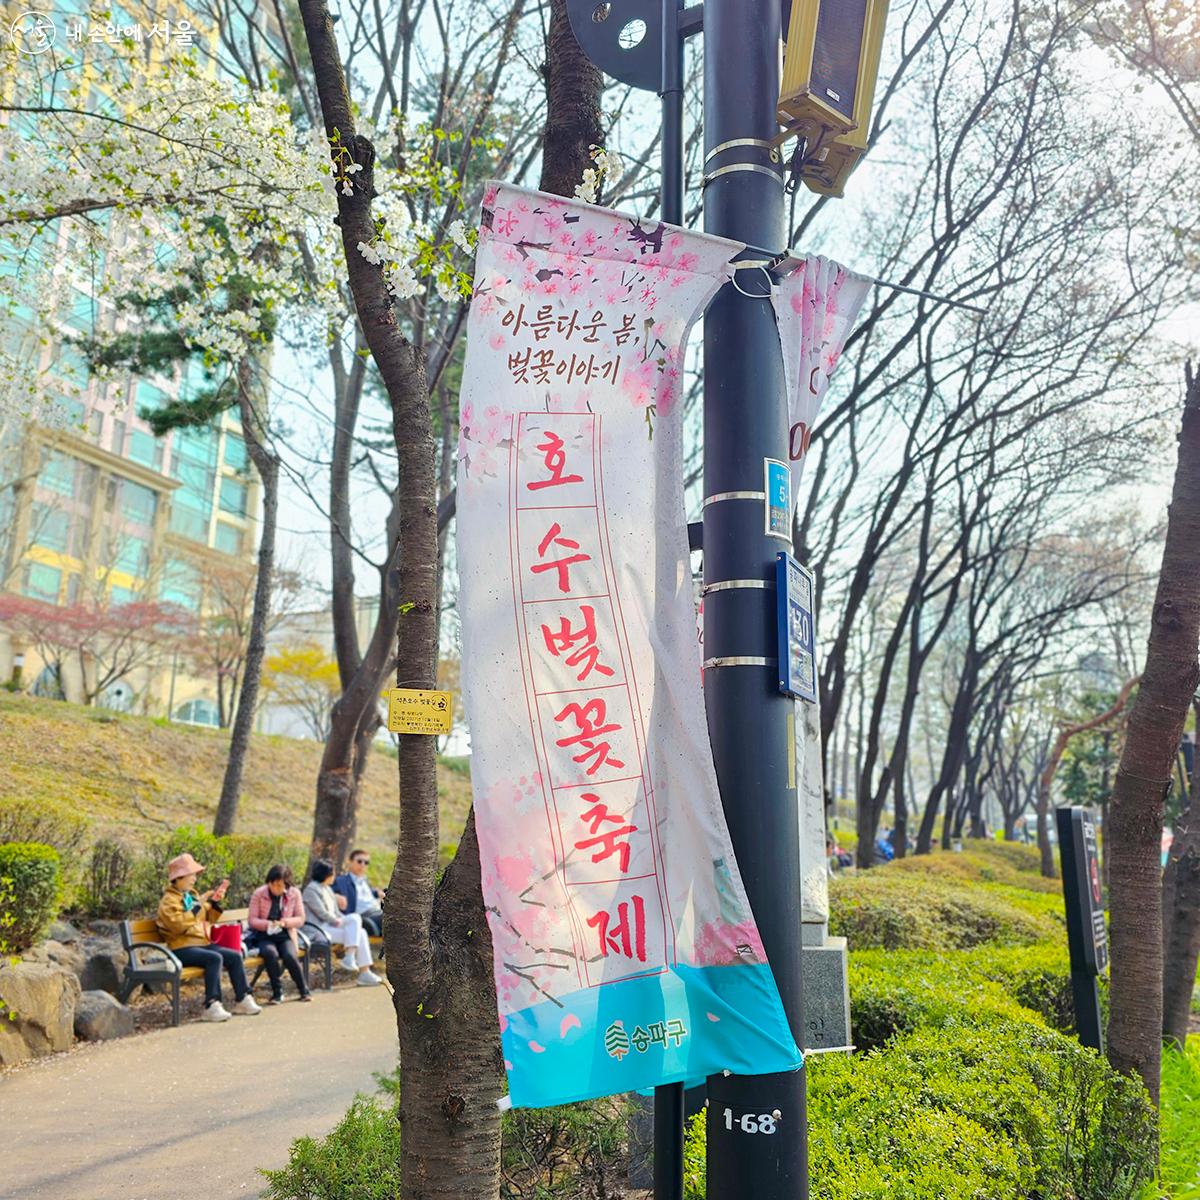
point(626, 954)
point(815, 308)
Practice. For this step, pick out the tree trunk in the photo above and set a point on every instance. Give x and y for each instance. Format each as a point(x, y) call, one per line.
point(1139, 789)
point(574, 122)
point(1181, 918)
point(267, 464)
point(447, 1019)
point(438, 943)
point(1181, 912)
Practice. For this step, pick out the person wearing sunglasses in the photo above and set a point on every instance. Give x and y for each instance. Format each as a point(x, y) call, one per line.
point(355, 888)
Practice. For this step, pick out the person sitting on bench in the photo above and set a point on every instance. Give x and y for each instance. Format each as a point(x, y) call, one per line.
point(360, 896)
point(345, 929)
point(276, 913)
point(184, 919)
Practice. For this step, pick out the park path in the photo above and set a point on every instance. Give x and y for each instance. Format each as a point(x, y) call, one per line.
point(192, 1111)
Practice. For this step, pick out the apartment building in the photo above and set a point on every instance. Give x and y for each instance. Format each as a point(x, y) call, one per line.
point(97, 510)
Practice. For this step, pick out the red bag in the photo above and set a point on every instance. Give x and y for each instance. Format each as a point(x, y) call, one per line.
point(229, 936)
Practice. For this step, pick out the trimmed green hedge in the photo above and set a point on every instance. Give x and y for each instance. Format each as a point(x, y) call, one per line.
point(891, 909)
point(1006, 1110)
point(32, 894)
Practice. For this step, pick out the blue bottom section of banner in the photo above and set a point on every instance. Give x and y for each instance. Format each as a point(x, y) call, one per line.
point(639, 1033)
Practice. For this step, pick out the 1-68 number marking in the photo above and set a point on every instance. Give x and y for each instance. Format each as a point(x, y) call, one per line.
point(751, 1122)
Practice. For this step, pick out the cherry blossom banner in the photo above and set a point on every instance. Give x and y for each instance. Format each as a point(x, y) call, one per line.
point(626, 955)
point(816, 305)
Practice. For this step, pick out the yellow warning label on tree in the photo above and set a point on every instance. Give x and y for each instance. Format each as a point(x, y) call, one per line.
point(415, 710)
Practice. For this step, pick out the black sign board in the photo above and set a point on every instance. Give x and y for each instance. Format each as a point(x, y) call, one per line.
point(1087, 935)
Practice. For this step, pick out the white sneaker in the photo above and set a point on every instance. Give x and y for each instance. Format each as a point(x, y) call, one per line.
point(368, 978)
point(349, 963)
point(246, 1007)
point(216, 1011)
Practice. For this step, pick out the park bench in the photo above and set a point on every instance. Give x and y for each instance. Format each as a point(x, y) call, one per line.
point(321, 948)
point(149, 962)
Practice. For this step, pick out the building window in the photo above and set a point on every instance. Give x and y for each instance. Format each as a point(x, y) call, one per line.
point(119, 595)
point(181, 585)
point(133, 556)
point(145, 449)
point(50, 527)
point(138, 503)
point(118, 437)
point(235, 452)
point(188, 522)
point(199, 712)
point(233, 497)
point(58, 474)
point(229, 539)
point(150, 397)
point(43, 582)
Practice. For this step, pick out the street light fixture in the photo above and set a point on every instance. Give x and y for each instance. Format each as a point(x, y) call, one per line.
point(830, 65)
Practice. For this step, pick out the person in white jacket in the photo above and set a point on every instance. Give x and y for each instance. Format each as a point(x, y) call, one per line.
point(345, 929)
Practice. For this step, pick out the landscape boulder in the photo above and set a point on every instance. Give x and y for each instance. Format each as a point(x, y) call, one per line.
point(65, 932)
point(99, 1017)
point(69, 956)
point(102, 966)
point(41, 998)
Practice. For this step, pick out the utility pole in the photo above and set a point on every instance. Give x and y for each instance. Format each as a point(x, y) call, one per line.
point(756, 1125)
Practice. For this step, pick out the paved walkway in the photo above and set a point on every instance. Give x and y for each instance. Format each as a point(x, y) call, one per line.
point(192, 1111)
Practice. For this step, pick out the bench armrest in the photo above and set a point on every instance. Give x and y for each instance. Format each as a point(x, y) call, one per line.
point(158, 949)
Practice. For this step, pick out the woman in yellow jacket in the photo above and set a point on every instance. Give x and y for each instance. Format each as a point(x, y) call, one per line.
point(183, 921)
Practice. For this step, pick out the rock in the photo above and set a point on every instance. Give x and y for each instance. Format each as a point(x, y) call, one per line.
point(103, 965)
point(65, 932)
point(107, 929)
point(70, 957)
point(98, 1017)
point(41, 997)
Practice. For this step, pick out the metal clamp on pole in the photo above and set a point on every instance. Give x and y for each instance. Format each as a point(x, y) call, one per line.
point(761, 145)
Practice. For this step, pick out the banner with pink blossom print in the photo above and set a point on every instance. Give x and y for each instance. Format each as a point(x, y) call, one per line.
point(626, 955)
point(816, 305)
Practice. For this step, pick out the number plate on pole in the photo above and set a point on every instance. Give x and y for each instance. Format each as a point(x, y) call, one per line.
point(794, 586)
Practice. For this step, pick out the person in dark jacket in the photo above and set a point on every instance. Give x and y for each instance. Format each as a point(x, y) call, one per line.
point(360, 896)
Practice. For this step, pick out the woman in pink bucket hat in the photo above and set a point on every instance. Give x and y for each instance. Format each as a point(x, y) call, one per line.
point(183, 921)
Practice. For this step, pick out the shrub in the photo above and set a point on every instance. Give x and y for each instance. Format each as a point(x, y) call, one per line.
point(576, 1151)
point(1009, 1110)
point(359, 1157)
point(107, 889)
point(250, 857)
point(901, 910)
point(242, 858)
point(50, 823)
point(34, 891)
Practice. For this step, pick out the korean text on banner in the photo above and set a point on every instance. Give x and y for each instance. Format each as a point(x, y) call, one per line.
point(626, 955)
point(816, 305)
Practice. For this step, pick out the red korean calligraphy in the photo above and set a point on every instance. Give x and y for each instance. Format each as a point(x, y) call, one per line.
point(587, 722)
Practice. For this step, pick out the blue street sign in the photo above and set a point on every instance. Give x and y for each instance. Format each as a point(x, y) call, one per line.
point(778, 499)
point(794, 586)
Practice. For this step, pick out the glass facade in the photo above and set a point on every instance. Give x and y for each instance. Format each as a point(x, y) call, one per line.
point(194, 464)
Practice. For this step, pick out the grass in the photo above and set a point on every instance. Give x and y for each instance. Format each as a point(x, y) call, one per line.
point(138, 776)
point(1181, 1121)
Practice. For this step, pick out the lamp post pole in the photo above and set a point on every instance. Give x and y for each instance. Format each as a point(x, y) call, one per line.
point(756, 1125)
